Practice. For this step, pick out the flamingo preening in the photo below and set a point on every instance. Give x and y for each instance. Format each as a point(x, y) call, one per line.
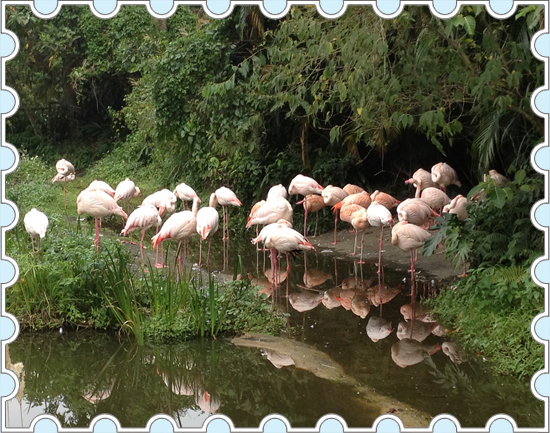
point(36, 224)
point(165, 201)
point(445, 175)
point(98, 204)
point(276, 191)
point(409, 237)
point(458, 207)
point(435, 198)
point(421, 179)
point(303, 185)
point(207, 224)
point(143, 218)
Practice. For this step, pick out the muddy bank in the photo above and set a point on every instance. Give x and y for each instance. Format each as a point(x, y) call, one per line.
point(435, 266)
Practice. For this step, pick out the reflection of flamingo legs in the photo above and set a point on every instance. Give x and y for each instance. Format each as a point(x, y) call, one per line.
point(361, 262)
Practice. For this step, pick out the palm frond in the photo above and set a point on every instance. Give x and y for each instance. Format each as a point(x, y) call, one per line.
point(486, 141)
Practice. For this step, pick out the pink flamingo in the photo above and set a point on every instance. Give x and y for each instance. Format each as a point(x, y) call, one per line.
point(99, 185)
point(409, 237)
point(333, 195)
point(415, 211)
point(276, 191)
point(304, 185)
point(435, 198)
point(143, 218)
point(312, 203)
point(125, 191)
point(445, 175)
point(360, 221)
point(421, 179)
point(458, 207)
point(179, 227)
point(386, 200)
point(270, 211)
point(207, 223)
point(65, 173)
point(98, 204)
point(185, 193)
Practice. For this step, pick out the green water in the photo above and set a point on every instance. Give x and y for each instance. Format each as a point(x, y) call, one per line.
point(76, 376)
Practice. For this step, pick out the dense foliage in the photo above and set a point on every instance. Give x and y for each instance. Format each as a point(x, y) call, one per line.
point(494, 304)
point(248, 102)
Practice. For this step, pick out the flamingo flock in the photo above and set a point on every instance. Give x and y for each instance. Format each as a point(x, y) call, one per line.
point(351, 204)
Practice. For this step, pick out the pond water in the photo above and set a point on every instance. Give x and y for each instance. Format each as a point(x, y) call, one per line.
point(77, 376)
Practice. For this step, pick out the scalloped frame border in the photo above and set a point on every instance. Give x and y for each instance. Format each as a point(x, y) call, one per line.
point(9, 213)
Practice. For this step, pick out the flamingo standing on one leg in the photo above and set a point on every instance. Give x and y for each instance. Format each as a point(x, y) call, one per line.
point(143, 218)
point(98, 204)
point(36, 224)
point(225, 197)
point(180, 226)
point(207, 223)
point(276, 191)
point(332, 195)
point(65, 173)
point(346, 215)
point(125, 191)
point(304, 185)
point(379, 216)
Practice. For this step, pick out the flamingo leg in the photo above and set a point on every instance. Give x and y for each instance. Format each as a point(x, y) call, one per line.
point(380, 250)
point(355, 245)
point(157, 252)
point(305, 218)
point(141, 248)
point(208, 257)
point(96, 234)
point(32, 243)
point(316, 224)
point(200, 252)
point(361, 262)
point(38, 251)
point(335, 225)
point(287, 273)
point(180, 260)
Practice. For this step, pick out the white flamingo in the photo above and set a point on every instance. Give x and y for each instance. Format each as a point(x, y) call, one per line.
point(36, 224)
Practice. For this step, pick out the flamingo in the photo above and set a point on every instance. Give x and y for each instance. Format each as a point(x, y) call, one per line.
point(185, 193)
point(180, 226)
point(36, 224)
point(379, 216)
point(270, 212)
point(143, 218)
point(285, 240)
point(346, 215)
point(333, 195)
point(409, 237)
point(99, 185)
point(445, 175)
point(386, 200)
point(98, 204)
point(65, 173)
point(312, 203)
point(458, 207)
point(435, 198)
point(360, 221)
point(207, 223)
point(125, 191)
point(263, 235)
point(415, 211)
point(499, 179)
point(304, 185)
point(421, 179)
point(352, 189)
point(276, 191)
point(165, 201)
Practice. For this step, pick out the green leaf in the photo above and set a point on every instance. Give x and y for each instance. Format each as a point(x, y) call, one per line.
point(520, 175)
point(498, 197)
point(525, 188)
point(470, 25)
point(476, 189)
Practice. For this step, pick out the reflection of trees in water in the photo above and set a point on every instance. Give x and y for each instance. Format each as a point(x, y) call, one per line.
point(78, 378)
